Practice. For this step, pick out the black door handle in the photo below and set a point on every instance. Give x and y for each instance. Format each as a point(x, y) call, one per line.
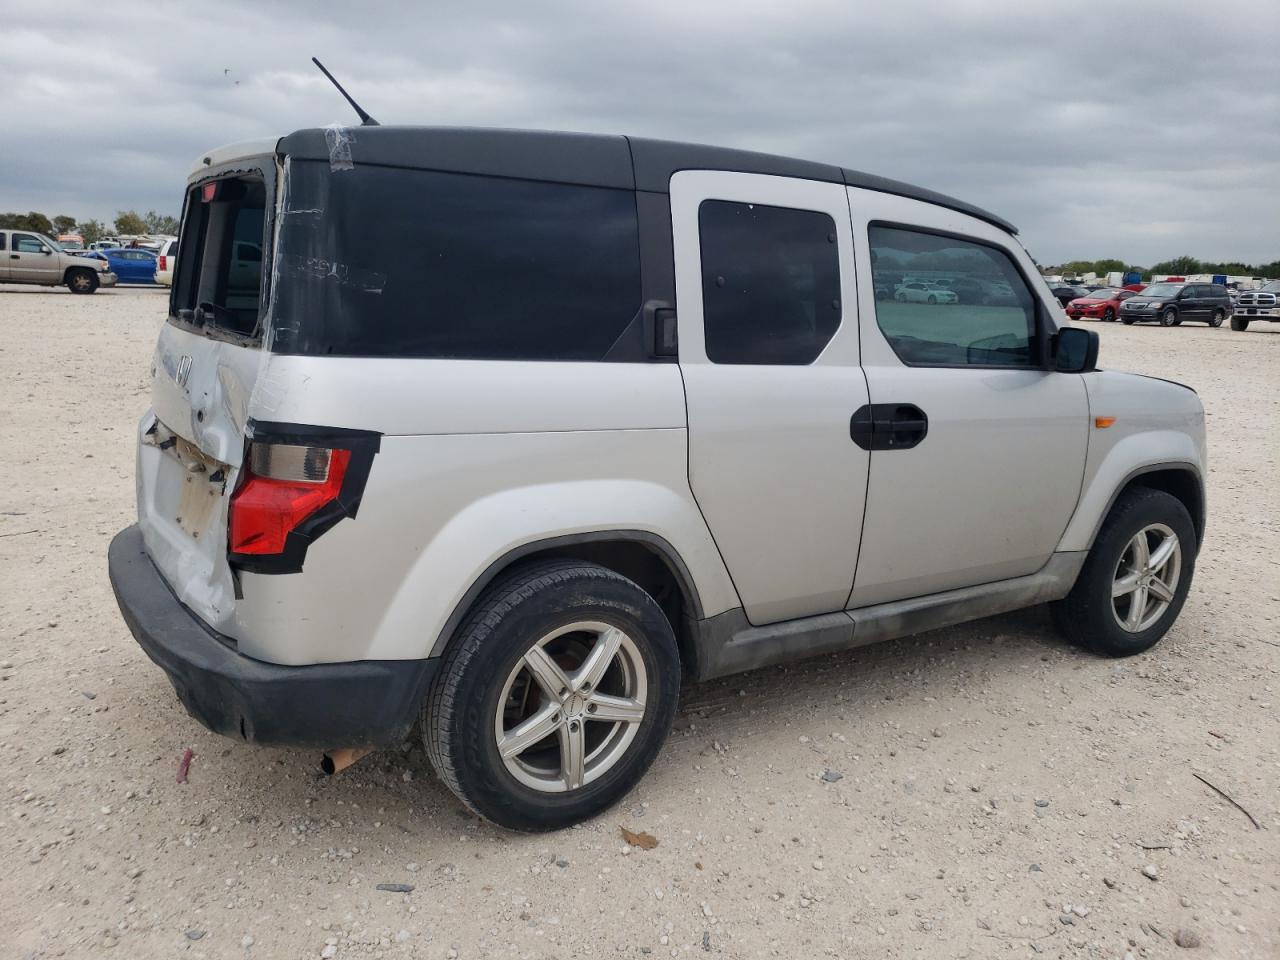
point(888, 426)
point(14, 256)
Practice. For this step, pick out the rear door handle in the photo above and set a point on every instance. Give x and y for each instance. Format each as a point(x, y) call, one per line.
point(888, 426)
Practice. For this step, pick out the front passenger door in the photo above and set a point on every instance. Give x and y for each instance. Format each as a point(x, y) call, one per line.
point(976, 469)
point(31, 259)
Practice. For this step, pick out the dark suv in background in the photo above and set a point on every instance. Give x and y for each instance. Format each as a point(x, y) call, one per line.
point(1171, 303)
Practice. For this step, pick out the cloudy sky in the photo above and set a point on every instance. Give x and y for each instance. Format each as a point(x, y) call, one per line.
point(1139, 130)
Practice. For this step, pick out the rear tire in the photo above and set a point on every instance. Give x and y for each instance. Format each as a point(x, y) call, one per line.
point(1239, 323)
point(530, 758)
point(1169, 318)
point(1098, 614)
point(82, 281)
point(1218, 317)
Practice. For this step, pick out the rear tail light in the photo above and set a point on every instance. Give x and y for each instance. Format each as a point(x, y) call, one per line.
point(284, 486)
point(163, 262)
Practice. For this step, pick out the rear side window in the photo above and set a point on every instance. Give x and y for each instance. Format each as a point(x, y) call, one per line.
point(380, 261)
point(990, 320)
point(770, 282)
point(220, 286)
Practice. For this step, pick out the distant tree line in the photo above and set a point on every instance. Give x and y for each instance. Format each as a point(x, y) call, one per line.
point(127, 222)
point(1177, 267)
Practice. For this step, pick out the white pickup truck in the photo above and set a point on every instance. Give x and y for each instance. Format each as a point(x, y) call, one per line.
point(29, 257)
point(1260, 304)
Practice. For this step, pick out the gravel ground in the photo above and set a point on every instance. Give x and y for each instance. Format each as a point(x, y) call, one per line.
point(980, 791)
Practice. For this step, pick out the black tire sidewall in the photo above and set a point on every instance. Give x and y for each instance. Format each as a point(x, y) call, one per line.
point(1217, 318)
point(486, 783)
point(1093, 589)
point(1239, 325)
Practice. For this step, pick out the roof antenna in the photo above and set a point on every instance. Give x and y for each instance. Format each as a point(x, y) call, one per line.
point(365, 119)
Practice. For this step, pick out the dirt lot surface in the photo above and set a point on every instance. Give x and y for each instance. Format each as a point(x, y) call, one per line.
point(988, 790)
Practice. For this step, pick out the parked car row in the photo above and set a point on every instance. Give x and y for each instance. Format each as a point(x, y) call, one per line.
point(962, 289)
point(1167, 303)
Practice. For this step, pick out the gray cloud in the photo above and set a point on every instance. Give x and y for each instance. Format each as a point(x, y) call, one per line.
point(1141, 132)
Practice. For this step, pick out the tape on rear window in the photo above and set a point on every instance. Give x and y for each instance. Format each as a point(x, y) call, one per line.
point(338, 138)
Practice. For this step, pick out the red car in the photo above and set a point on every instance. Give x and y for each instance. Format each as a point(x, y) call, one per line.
point(1098, 305)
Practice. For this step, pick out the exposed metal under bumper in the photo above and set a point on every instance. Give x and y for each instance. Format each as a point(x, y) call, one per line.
point(727, 643)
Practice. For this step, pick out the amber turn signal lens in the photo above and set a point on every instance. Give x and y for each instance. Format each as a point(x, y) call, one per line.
point(1103, 422)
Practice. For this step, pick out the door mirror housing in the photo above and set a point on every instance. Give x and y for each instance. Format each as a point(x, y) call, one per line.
point(46, 251)
point(1075, 350)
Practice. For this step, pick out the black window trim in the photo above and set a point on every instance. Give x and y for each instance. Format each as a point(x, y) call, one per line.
point(1044, 331)
point(263, 166)
point(702, 294)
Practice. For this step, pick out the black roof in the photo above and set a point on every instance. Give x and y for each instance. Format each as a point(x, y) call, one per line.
point(631, 163)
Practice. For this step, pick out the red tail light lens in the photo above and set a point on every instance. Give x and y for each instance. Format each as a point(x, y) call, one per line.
point(284, 484)
point(164, 263)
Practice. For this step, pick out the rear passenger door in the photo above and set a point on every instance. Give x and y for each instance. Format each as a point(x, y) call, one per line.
point(977, 465)
point(769, 355)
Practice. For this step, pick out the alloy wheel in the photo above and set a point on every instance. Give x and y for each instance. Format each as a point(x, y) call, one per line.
point(571, 707)
point(1146, 577)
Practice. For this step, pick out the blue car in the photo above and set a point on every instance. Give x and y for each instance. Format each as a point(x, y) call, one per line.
point(131, 265)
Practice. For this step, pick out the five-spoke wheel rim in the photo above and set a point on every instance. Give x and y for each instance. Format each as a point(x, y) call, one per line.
point(1146, 577)
point(571, 707)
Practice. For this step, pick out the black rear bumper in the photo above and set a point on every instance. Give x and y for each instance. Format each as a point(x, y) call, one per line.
point(327, 705)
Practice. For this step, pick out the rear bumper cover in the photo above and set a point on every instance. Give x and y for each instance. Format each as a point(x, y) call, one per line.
point(327, 705)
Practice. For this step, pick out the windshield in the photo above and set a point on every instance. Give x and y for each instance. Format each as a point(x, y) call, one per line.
point(1162, 290)
point(1272, 287)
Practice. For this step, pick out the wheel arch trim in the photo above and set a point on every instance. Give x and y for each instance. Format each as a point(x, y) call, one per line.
point(653, 542)
point(1197, 511)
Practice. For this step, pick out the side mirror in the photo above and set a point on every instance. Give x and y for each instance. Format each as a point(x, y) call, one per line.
point(46, 251)
point(1075, 350)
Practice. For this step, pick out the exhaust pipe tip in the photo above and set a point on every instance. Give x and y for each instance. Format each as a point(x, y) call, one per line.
point(337, 760)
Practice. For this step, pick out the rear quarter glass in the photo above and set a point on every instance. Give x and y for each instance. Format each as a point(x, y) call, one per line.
point(381, 261)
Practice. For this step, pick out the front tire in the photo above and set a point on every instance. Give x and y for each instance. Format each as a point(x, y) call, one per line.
point(933, 300)
point(1136, 578)
point(1108, 315)
point(555, 696)
point(1239, 323)
point(1169, 318)
point(82, 281)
